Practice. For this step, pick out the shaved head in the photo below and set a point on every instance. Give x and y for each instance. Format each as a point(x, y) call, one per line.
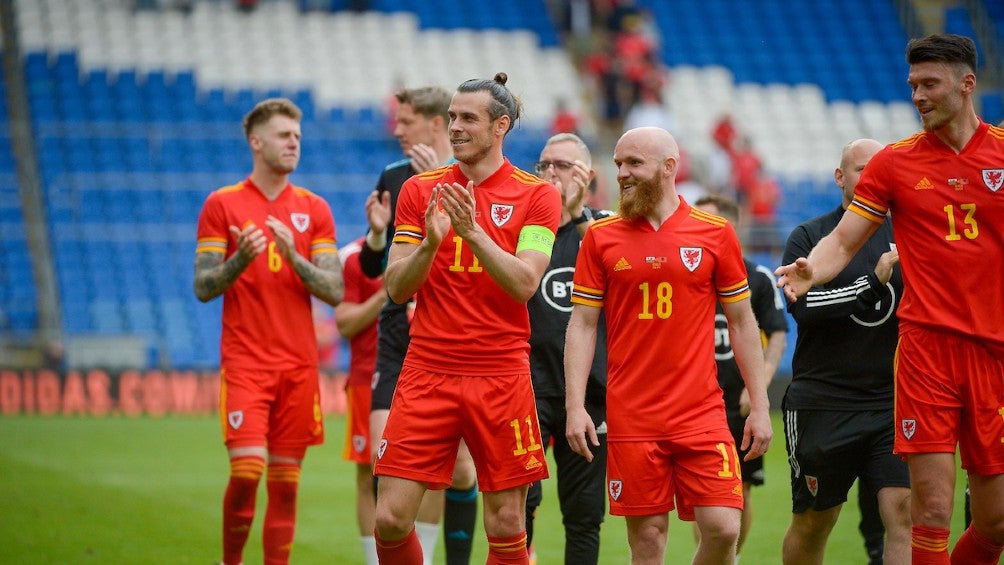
point(858, 147)
point(853, 159)
point(654, 142)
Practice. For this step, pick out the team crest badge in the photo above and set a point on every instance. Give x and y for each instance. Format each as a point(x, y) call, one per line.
point(381, 448)
point(501, 213)
point(691, 257)
point(616, 488)
point(813, 484)
point(300, 221)
point(359, 443)
point(993, 178)
point(909, 427)
point(236, 418)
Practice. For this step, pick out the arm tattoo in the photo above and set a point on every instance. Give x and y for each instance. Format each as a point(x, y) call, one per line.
point(323, 277)
point(213, 275)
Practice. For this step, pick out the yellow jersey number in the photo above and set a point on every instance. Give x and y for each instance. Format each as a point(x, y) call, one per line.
point(971, 231)
point(533, 445)
point(274, 258)
point(663, 301)
point(456, 267)
point(730, 465)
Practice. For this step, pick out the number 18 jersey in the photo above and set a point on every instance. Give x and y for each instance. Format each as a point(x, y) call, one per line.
point(658, 289)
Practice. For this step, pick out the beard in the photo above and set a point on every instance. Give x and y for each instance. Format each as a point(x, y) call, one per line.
point(642, 200)
point(472, 152)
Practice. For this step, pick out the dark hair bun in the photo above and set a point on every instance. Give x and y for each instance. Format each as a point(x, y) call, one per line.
point(501, 78)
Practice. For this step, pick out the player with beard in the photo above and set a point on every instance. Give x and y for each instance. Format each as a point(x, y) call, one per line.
point(420, 126)
point(472, 241)
point(657, 270)
point(942, 187)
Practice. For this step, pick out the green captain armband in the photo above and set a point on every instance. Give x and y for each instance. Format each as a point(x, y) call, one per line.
point(537, 238)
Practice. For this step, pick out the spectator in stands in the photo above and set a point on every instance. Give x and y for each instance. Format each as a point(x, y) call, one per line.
point(762, 199)
point(356, 317)
point(421, 128)
point(267, 246)
point(247, 5)
point(941, 189)
point(472, 240)
point(564, 120)
point(720, 178)
point(604, 68)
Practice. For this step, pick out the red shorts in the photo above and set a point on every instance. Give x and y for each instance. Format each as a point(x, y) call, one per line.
point(280, 410)
point(644, 477)
point(950, 389)
point(431, 412)
point(357, 424)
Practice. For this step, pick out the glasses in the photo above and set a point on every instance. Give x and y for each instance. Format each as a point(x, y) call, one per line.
point(542, 166)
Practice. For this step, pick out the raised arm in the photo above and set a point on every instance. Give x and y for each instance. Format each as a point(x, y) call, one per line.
point(827, 258)
point(408, 264)
point(518, 274)
point(374, 250)
point(214, 275)
point(322, 276)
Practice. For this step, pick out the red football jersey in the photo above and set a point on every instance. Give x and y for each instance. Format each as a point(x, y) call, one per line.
point(951, 233)
point(463, 319)
point(267, 320)
point(359, 288)
point(658, 290)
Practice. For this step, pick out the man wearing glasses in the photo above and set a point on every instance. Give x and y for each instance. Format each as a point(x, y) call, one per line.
point(565, 162)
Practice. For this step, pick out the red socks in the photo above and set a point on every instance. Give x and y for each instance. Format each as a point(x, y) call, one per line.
point(973, 548)
point(280, 514)
point(239, 505)
point(405, 551)
point(508, 550)
point(930, 546)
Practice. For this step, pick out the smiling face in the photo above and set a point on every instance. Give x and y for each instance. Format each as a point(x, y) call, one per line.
point(277, 143)
point(643, 172)
point(938, 91)
point(473, 133)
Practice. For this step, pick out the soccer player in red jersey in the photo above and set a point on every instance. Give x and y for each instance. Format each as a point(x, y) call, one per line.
point(942, 188)
point(421, 128)
point(267, 246)
point(656, 270)
point(356, 318)
point(471, 242)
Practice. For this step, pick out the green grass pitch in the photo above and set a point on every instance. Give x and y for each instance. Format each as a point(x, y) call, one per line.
point(148, 491)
